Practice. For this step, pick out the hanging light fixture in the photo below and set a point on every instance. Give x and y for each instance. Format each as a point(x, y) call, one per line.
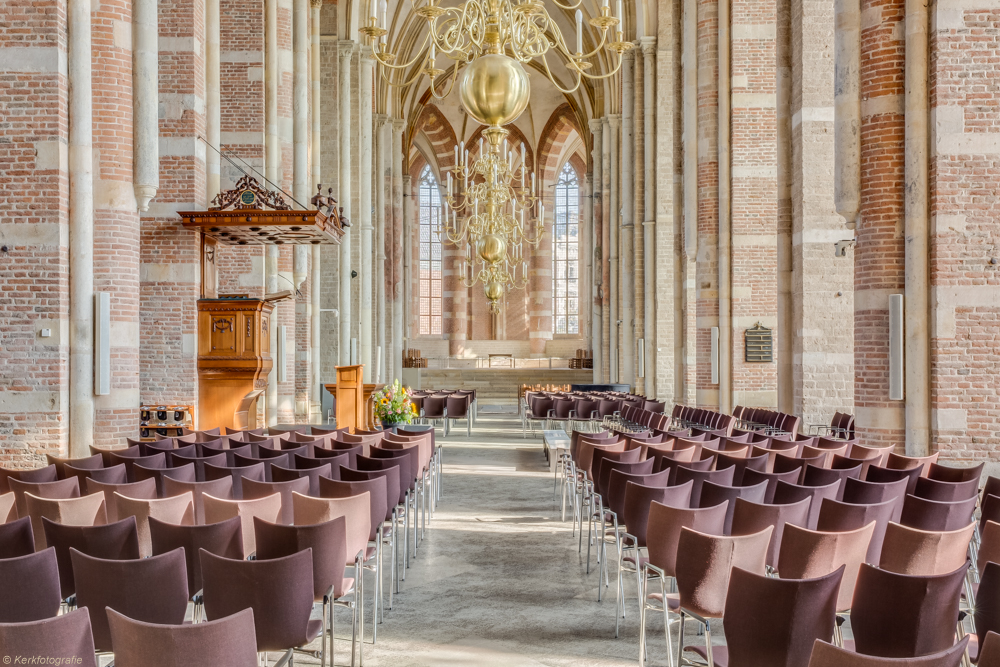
point(488, 215)
point(489, 40)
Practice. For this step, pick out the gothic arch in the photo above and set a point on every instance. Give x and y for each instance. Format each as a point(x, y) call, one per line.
point(558, 130)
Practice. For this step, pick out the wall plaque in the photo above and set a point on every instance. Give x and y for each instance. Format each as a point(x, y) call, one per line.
point(759, 344)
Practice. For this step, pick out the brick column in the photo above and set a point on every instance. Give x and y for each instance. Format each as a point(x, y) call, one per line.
point(596, 248)
point(878, 263)
point(171, 268)
point(116, 220)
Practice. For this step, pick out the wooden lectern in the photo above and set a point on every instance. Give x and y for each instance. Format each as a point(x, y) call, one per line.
point(350, 397)
point(234, 358)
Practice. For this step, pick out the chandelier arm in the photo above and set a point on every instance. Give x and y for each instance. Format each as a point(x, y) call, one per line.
point(576, 5)
point(454, 78)
point(567, 91)
point(420, 54)
point(404, 84)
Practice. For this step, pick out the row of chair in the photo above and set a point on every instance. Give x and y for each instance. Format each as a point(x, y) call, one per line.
point(715, 520)
point(169, 495)
point(447, 406)
point(578, 412)
point(770, 422)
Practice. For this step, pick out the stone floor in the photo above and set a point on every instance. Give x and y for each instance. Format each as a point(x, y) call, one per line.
point(498, 579)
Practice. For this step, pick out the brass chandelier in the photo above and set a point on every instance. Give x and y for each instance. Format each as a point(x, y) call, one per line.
point(489, 40)
point(501, 226)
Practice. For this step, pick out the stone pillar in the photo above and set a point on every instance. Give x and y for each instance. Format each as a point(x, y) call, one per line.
point(346, 54)
point(725, 226)
point(271, 260)
point(607, 226)
point(916, 306)
point(383, 138)
point(686, 310)
point(213, 100)
point(406, 238)
point(299, 342)
point(614, 125)
point(272, 79)
point(649, 213)
point(81, 231)
point(145, 103)
point(638, 254)
point(400, 227)
point(847, 109)
point(586, 255)
point(300, 102)
point(626, 331)
point(315, 265)
point(596, 250)
point(879, 257)
point(365, 204)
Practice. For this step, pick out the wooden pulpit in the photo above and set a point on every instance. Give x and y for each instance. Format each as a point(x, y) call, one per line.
point(349, 392)
point(370, 389)
point(234, 358)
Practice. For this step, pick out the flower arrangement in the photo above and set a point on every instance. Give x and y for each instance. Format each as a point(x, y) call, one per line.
point(393, 405)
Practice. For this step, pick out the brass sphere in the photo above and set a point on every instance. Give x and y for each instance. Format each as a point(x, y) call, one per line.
point(494, 291)
point(494, 89)
point(492, 248)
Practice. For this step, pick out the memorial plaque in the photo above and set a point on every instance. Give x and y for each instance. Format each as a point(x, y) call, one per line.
point(759, 344)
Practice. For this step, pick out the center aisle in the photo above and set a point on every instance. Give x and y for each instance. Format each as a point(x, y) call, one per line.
point(498, 579)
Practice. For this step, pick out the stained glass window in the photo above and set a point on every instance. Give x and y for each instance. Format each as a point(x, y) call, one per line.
point(565, 254)
point(429, 198)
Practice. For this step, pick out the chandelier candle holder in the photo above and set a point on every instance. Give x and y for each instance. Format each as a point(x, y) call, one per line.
point(489, 40)
point(492, 208)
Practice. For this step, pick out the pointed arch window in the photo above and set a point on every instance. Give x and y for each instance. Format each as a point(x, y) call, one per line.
point(429, 201)
point(565, 254)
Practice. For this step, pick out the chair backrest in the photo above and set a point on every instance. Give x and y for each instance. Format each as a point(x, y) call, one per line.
point(899, 615)
point(112, 475)
point(148, 589)
point(751, 477)
point(617, 486)
point(638, 498)
point(835, 516)
point(310, 475)
point(30, 586)
point(943, 473)
point(407, 459)
point(219, 509)
point(704, 564)
point(899, 462)
point(629, 467)
point(46, 474)
point(82, 463)
point(392, 485)
point(355, 509)
point(785, 493)
point(374, 464)
point(749, 518)
point(923, 552)
point(823, 476)
point(236, 473)
point(828, 655)
point(774, 622)
point(145, 488)
point(878, 474)
point(253, 490)
point(178, 510)
point(224, 538)
point(458, 407)
point(989, 545)
point(226, 642)
point(788, 463)
point(279, 590)
point(989, 650)
point(939, 515)
point(663, 530)
point(934, 489)
point(327, 540)
point(52, 639)
point(866, 492)
point(199, 462)
point(378, 488)
point(987, 607)
point(807, 554)
point(684, 473)
point(113, 541)
point(83, 511)
point(741, 464)
point(16, 538)
point(158, 460)
point(220, 488)
point(61, 488)
point(184, 473)
point(714, 494)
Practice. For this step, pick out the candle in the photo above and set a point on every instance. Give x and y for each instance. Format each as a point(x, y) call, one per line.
point(604, 4)
point(532, 184)
point(381, 9)
point(466, 156)
point(456, 156)
point(480, 147)
point(449, 183)
point(621, 16)
point(434, 48)
point(579, 31)
point(461, 149)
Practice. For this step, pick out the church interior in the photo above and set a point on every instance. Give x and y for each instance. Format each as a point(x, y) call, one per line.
point(708, 289)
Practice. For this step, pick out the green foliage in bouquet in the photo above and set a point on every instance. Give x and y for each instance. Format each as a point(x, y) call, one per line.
point(393, 405)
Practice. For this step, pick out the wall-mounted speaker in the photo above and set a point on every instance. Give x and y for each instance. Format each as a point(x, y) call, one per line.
point(102, 343)
point(896, 358)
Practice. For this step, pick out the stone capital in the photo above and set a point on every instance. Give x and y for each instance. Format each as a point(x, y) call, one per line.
point(628, 57)
point(315, 4)
point(615, 120)
point(648, 46)
point(596, 125)
point(367, 57)
point(398, 124)
point(345, 48)
point(380, 119)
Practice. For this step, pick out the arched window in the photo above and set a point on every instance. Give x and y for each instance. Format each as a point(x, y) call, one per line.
point(429, 199)
point(565, 264)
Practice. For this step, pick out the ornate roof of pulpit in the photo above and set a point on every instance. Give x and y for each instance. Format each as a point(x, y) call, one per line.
point(250, 214)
